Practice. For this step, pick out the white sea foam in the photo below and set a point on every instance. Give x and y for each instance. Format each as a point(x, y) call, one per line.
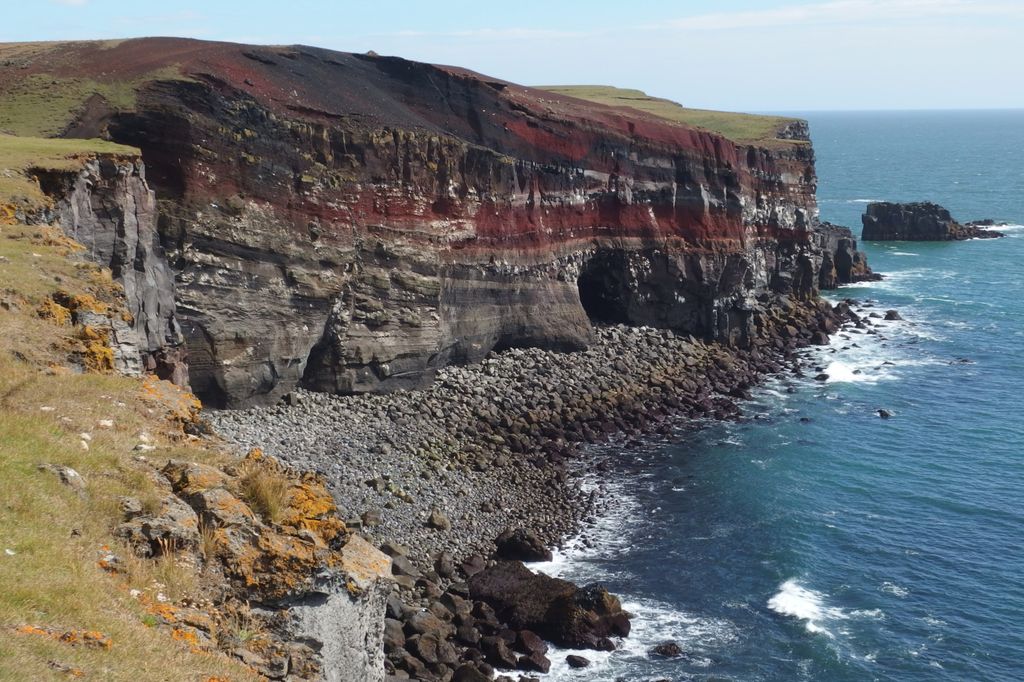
point(796, 601)
point(903, 253)
point(863, 201)
point(653, 623)
point(894, 589)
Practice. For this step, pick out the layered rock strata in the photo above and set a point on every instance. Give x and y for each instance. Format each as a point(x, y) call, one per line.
point(920, 221)
point(352, 223)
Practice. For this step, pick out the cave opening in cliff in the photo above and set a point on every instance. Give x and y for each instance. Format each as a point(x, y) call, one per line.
point(603, 288)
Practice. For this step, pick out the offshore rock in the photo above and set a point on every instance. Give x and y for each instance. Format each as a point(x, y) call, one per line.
point(921, 221)
point(352, 223)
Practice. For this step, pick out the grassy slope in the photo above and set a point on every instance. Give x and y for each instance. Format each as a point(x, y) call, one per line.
point(44, 104)
point(51, 538)
point(20, 154)
point(744, 128)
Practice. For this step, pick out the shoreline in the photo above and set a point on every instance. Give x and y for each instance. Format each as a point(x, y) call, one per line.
point(487, 445)
point(434, 476)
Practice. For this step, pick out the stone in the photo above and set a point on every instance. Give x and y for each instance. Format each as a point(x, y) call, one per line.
point(467, 672)
point(556, 609)
point(498, 653)
point(522, 545)
point(394, 637)
point(67, 476)
point(892, 315)
point(577, 662)
point(438, 520)
point(666, 650)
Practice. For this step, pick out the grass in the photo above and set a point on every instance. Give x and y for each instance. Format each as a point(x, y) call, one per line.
point(19, 155)
point(265, 490)
point(52, 539)
point(744, 128)
point(44, 105)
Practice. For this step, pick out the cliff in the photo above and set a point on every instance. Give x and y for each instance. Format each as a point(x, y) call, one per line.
point(351, 223)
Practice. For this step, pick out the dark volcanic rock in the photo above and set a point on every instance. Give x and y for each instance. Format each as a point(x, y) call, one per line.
point(842, 263)
point(556, 609)
point(575, 661)
point(921, 221)
point(666, 650)
point(521, 545)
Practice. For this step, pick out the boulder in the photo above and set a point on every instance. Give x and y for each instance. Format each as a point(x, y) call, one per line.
point(556, 609)
point(521, 545)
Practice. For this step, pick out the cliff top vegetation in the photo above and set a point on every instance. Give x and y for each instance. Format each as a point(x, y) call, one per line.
point(738, 127)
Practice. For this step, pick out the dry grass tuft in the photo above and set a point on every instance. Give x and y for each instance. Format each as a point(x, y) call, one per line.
point(265, 489)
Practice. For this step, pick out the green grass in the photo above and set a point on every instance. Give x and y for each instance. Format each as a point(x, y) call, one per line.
point(50, 537)
point(745, 128)
point(43, 105)
point(21, 154)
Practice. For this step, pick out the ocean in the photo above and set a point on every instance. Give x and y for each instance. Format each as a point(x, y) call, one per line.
point(815, 540)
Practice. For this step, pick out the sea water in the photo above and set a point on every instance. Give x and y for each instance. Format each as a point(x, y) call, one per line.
point(815, 540)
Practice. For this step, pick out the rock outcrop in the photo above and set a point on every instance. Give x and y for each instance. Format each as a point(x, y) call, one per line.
point(108, 207)
point(313, 592)
point(920, 221)
point(842, 263)
point(351, 223)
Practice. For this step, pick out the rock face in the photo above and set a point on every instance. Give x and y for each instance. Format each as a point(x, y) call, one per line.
point(351, 223)
point(922, 221)
point(109, 208)
point(842, 263)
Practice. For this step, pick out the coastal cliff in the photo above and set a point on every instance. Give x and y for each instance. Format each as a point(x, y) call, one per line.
point(352, 223)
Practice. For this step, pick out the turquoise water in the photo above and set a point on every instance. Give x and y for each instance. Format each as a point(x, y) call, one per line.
point(817, 541)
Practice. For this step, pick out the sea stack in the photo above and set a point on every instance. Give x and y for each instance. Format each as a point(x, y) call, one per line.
point(918, 221)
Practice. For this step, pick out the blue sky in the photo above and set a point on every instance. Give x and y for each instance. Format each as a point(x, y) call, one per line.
point(774, 55)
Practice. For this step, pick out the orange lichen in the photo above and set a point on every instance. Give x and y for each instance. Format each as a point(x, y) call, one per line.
point(81, 303)
point(182, 406)
point(89, 638)
point(311, 507)
point(97, 355)
point(51, 310)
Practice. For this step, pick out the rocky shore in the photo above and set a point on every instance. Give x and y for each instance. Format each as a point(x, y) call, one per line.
point(435, 476)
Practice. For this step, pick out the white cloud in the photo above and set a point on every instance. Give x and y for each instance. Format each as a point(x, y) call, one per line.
point(70, 3)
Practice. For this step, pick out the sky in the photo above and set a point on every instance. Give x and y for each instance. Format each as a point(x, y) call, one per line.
point(772, 55)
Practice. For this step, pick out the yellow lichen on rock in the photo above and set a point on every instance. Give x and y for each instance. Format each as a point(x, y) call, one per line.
point(311, 507)
point(51, 310)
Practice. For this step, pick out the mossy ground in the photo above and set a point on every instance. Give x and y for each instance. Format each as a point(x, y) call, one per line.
point(53, 540)
point(744, 128)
